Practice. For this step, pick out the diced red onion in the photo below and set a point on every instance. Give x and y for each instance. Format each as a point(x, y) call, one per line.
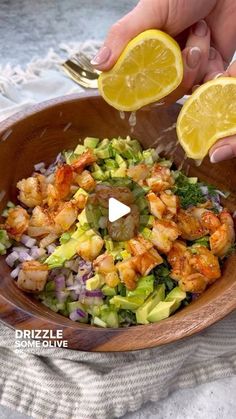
point(12, 258)
point(14, 274)
point(24, 256)
point(94, 293)
point(61, 296)
point(40, 167)
point(204, 190)
point(72, 264)
point(51, 248)
point(19, 249)
point(28, 241)
point(60, 282)
point(70, 280)
point(77, 315)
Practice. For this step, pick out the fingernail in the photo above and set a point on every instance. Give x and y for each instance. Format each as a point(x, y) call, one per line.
point(218, 75)
point(222, 153)
point(193, 57)
point(102, 56)
point(212, 54)
point(200, 28)
point(195, 87)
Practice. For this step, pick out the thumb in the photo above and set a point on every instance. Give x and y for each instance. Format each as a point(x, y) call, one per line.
point(224, 149)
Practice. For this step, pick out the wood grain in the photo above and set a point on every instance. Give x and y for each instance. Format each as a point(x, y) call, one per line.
point(38, 135)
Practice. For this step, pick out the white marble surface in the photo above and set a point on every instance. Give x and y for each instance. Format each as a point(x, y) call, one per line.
point(37, 26)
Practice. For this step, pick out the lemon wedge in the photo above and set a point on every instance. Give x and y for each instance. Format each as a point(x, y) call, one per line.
point(208, 115)
point(149, 68)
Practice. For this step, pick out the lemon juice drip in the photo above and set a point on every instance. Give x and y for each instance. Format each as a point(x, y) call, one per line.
point(122, 114)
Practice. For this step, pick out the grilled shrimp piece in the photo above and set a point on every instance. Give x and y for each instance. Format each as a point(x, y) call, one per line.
point(145, 262)
point(86, 181)
point(80, 201)
point(205, 263)
point(90, 248)
point(41, 222)
point(86, 159)
point(156, 206)
point(63, 181)
point(17, 222)
point(122, 193)
point(161, 178)
point(104, 265)
point(171, 202)
point(65, 216)
point(210, 221)
point(33, 190)
point(190, 226)
point(139, 245)
point(32, 276)
point(223, 238)
point(127, 273)
point(138, 173)
point(179, 258)
point(164, 233)
point(195, 283)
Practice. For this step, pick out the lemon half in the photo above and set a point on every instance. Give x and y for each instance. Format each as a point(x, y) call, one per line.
point(149, 68)
point(208, 115)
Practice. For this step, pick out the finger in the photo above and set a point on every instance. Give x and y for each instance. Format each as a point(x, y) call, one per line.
point(148, 14)
point(195, 57)
point(215, 65)
point(224, 149)
point(231, 70)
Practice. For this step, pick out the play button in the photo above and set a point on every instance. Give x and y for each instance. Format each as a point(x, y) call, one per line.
point(117, 210)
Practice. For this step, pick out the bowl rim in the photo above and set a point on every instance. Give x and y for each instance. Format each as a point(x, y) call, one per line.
point(122, 339)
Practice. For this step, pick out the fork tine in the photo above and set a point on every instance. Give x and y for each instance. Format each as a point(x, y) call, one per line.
point(78, 78)
point(84, 62)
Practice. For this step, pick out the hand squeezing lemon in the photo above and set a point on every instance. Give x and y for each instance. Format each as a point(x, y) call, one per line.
point(150, 68)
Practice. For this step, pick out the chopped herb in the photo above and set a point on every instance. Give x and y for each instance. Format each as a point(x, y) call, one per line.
point(203, 241)
point(162, 276)
point(127, 317)
point(189, 193)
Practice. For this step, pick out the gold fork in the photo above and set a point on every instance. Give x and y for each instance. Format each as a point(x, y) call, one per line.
point(81, 71)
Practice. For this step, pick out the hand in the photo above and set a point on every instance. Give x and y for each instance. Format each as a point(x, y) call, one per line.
point(207, 45)
point(225, 148)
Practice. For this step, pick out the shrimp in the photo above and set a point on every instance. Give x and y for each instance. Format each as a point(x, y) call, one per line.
point(205, 263)
point(86, 159)
point(17, 222)
point(195, 283)
point(145, 262)
point(104, 265)
point(190, 226)
point(170, 201)
point(32, 276)
point(121, 193)
point(90, 248)
point(128, 273)
point(178, 258)
point(33, 190)
point(85, 181)
point(65, 216)
point(210, 221)
point(63, 181)
point(156, 206)
point(161, 178)
point(164, 233)
point(138, 173)
point(138, 245)
point(224, 236)
point(41, 222)
point(126, 227)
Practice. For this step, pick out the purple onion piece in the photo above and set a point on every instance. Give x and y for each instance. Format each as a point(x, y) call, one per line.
point(60, 282)
point(40, 167)
point(12, 258)
point(24, 257)
point(94, 293)
point(75, 315)
point(28, 241)
point(14, 274)
point(81, 313)
point(61, 296)
point(51, 248)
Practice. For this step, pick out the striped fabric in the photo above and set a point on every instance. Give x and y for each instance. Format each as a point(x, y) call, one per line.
point(64, 384)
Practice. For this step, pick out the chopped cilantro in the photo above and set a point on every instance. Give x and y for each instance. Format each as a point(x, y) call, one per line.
point(203, 241)
point(189, 193)
point(162, 276)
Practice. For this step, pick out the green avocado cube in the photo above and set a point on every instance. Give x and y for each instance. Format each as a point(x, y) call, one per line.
point(144, 287)
point(143, 311)
point(91, 142)
point(162, 310)
point(129, 303)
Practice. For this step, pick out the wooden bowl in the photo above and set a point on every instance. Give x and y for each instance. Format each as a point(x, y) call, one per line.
point(38, 135)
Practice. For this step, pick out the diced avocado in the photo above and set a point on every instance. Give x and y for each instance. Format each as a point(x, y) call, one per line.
point(125, 254)
point(110, 317)
point(80, 149)
point(129, 303)
point(103, 153)
point(62, 253)
point(111, 164)
point(144, 287)
point(99, 322)
point(95, 282)
point(121, 172)
point(143, 311)
point(82, 218)
point(176, 295)
point(65, 237)
point(161, 311)
point(108, 291)
point(148, 157)
point(5, 242)
point(91, 142)
point(142, 203)
point(119, 159)
point(146, 233)
point(79, 192)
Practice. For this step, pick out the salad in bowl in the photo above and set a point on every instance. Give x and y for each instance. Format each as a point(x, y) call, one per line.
point(141, 268)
